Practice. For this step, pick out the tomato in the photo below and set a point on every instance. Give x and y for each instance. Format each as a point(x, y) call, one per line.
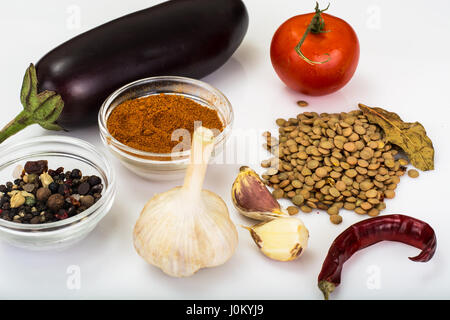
point(330, 49)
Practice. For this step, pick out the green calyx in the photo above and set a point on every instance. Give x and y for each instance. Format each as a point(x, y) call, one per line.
point(326, 287)
point(316, 26)
point(43, 108)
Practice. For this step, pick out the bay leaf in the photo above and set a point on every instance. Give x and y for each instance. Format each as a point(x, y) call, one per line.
point(410, 137)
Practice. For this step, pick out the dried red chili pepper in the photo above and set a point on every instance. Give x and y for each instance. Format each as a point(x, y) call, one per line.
point(394, 227)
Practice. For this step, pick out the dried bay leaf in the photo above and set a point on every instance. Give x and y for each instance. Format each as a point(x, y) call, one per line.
point(411, 137)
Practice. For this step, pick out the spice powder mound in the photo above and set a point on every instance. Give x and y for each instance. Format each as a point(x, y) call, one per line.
point(148, 123)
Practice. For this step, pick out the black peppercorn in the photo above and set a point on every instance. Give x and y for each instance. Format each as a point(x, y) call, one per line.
point(71, 211)
point(97, 189)
point(94, 180)
point(75, 174)
point(64, 189)
point(53, 187)
point(84, 188)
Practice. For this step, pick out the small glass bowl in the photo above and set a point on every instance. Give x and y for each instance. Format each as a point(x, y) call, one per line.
point(69, 153)
point(169, 166)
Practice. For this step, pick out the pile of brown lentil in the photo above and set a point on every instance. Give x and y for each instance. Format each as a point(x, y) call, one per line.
point(333, 161)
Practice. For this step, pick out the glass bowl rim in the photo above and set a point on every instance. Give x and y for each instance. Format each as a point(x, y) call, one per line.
point(136, 154)
point(76, 220)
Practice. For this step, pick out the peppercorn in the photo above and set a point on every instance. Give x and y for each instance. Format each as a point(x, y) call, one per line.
point(35, 220)
point(84, 188)
point(71, 211)
point(94, 180)
point(53, 173)
point(97, 189)
point(87, 201)
point(53, 187)
point(40, 206)
point(43, 194)
point(55, 202)
point(50, 202)
point(61, 215)
point(63, 189)
point(75, 174)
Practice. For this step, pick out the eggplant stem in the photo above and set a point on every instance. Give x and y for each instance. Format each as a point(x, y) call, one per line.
point(43, 108)
point(21, 121)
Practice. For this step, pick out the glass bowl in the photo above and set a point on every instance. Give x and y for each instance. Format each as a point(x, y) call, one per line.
point(158, 166)
point(69, 153)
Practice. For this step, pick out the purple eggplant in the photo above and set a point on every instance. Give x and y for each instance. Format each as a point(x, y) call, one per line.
point(190, 38)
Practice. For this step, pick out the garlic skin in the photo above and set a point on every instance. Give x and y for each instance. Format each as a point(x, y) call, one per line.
point(281, 239)
point(252, 199)
point(187, 228)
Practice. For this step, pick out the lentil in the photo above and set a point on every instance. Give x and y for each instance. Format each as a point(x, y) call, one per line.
point(334, 161)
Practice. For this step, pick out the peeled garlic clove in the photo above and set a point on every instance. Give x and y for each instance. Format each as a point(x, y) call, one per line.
point(187, 228)
point(252, 199)
point(282, 239)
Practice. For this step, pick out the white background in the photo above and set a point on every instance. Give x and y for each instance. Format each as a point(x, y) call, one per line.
point(404, 67)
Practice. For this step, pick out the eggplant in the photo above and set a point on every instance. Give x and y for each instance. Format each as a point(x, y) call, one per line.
point(190, 38)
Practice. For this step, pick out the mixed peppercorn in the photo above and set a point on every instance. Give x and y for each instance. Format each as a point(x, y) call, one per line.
point(43, 195)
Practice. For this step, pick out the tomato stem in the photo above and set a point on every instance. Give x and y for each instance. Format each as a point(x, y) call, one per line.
point(317, 25)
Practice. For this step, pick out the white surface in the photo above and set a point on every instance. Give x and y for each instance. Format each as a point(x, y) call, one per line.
point(404, 67)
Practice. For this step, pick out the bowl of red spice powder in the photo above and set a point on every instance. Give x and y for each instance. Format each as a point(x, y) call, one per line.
point(148, 124)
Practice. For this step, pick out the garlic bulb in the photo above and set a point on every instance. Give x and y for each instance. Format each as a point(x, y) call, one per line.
point(187, 228)
point(252, 199)
point(282, 239)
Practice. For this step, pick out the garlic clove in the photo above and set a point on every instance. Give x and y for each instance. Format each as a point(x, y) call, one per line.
point(252, 199)
point(281, 239)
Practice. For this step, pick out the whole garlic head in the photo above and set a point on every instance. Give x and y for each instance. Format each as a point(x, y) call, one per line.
point(180, 238)
point(187, 228)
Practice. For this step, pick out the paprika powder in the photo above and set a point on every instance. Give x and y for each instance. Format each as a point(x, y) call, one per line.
point(148, 123)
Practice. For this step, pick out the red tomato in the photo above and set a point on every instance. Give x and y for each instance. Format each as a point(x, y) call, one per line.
point(338, 44)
